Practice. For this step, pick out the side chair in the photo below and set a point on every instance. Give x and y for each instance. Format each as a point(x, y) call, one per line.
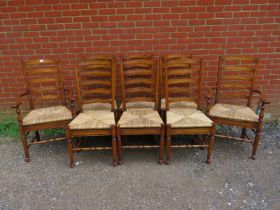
point(139, 85)
point(178, 104)
point(183, 81)
point(96, 101)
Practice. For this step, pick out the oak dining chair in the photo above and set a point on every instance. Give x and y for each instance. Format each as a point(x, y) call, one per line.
point(139, 85)
point(48, 101)
point(95, 81)
point(233, 97)
point(178, 104)
point(183, 84)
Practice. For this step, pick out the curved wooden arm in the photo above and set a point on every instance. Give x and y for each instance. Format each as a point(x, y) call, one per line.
point(262, 105)
point(18, 100)
point(262, 97)
point(17, 106)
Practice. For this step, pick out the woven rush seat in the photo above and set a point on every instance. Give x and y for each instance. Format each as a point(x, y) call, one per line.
point(234, 112)
point(139, 105)
point(100, 119)
point(140, 118)
point(187, 118)
point(97, 106)
point(179, 104)
point(47, 115)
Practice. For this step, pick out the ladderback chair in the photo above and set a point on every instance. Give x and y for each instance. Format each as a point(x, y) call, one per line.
point(139, 83)
point(99, 103)
point(179, 104)
point(236, 82)
point(138, 86)
point(48, 100)
point(182, 85)
point(96, 80)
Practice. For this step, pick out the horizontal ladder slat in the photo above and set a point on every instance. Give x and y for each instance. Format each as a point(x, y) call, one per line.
point(171, 72)
point(96, 73)
point(40, 62)
point(95, 82)
point(237, 68)
point(137, 72)
point(138, 64)
point(138, 81)
point(96, 91)
point(178, 90)
point(139, 90)
point(236, 78)
point(238, 58)
point(42, 80)
point(181, 81)
point(43, 70)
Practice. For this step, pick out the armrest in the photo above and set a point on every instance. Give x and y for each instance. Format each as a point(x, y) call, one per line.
point(17, 105)
point(262, 97)
point(18, 100)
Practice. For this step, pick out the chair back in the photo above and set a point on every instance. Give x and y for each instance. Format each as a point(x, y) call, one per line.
point(236, 78)
point(44, 82)
point(95, 78)
point(182, 79)
point(139, 79)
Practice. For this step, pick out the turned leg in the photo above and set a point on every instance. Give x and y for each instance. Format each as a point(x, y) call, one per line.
point(211, 143)
point(24, 143)
point(161, 143)
point(168, 144)
point(119, 140)
point(70, 148)
point(243, 134)
point(37, 135)
point(114, 145)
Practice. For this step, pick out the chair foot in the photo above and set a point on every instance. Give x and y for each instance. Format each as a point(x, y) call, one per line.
point(167, 162)
point(72, 165)
point(27, 160)
point(115, 163)
point(253, 157)
point(160, 162)
point(120, 162)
